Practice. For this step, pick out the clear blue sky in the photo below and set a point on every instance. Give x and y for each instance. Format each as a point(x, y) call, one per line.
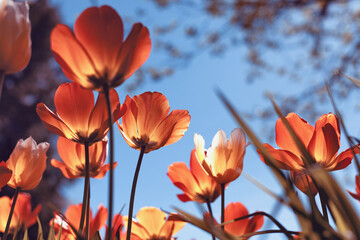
point(190, 88)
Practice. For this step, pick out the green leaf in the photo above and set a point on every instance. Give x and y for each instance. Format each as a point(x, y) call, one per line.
point(40, 235)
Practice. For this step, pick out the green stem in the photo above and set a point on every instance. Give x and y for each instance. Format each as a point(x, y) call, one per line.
point(2, 80)
point(222, 204)
point(111, 156)
point(86, 189)
point(17, 190)
point(211, 215)
point(132, 196)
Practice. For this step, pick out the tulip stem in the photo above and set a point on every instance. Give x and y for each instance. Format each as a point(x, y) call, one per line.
point(17, 190)
point(222, 204)
point(211, 215)
point(86, 197)
point(111, 156)
point(133, 188)
point(2, 80)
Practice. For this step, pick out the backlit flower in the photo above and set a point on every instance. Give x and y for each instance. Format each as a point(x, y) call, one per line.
point(76, 118)
point(27, 163)
point(322, 142)
point(224, 159)
point(196, 184)
point(147, 122)
point(357, 189)
point(22, 212)
point(15, 42)
point(96, 53)
point(244, 226)
point(72, 216)
point(153, 224)
point(73, 156)
point(5, 174)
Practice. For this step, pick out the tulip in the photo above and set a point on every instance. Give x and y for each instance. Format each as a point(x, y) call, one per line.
point(321, 141)
point(96, 54)
point(152, 223)
point(5, 174)
point(28, 163)
point(224, 159)
point(72, 216)
point(15, 42)
point(73, 156)
point(148, 124)
point(23, 214)
point(76, 118)
point(196, 184)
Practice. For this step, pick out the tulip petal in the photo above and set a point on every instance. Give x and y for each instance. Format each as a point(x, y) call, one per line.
point(182, 119)
point(74, 105)
point(343, 159)
point(302, 129)
point(152, 109)
point(99, 116)
point(100, 31)
point(182, 178)
point(134, 52)
point(152, 219)
point(325, 142)
point(71, 56)
point(5, 174)
point(171, 227)
point(99, 220)
point(103, 170)
point(284, 159)
point(54, 123)
point(303, 182)
point(66, 171)
point(233, 211)
point(255, 223)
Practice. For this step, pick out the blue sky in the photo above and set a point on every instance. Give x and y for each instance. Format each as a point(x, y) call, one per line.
point(192, 88)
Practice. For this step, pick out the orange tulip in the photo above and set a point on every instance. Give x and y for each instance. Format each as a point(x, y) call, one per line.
point(224, 159)
point(15, 41)
point(96, 53)
point(28, 163)
point(73, 156)
point(244, 226)
point(322, 142)
point(22, 212)
point(357, 189)
point(152, 224)
point(72, 216)
point(5, 174)
point(76, 118)
point(196, 184)
point(147, 122)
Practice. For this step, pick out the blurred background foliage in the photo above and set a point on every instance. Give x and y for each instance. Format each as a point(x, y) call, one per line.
point(321, 36)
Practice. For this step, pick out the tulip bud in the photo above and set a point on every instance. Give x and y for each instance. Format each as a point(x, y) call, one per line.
point(15, 42)
point(28, 163)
